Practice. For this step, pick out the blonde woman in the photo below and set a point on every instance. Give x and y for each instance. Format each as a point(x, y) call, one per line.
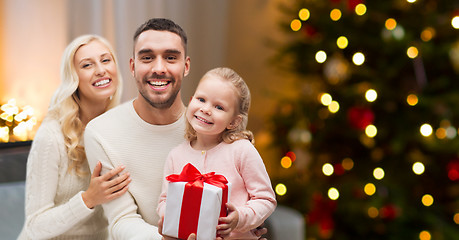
point(62, 196)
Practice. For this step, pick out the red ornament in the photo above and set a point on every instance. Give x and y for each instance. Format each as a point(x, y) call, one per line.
point(388, 212)
point(322, 214)
point(360, 117)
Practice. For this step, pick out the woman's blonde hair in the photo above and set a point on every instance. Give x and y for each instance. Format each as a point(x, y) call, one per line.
point(65, 103)
point(243, 94)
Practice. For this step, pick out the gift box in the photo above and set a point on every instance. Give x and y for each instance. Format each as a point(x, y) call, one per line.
point(194, 203)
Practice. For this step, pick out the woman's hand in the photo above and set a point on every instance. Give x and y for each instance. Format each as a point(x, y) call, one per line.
point(229, 222)
point(107, 187)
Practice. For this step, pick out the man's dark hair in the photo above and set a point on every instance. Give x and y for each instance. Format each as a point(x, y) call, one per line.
point(161, 24)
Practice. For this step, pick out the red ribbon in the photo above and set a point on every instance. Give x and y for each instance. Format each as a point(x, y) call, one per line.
point(189, 215)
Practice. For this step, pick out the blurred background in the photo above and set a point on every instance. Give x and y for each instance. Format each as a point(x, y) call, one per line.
point(355, 103)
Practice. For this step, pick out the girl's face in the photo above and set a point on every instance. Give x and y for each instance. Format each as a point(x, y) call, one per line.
point(97, 72)
point(213, 107)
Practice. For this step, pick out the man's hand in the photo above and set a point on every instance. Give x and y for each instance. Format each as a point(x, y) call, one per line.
point(160, 230)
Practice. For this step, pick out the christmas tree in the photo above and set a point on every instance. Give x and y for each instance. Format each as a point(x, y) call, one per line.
point(369, 146)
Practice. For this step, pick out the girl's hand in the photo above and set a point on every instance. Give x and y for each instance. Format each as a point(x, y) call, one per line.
point(105, 188)
point(229, 222)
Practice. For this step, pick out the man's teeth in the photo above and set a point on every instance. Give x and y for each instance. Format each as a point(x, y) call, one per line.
point(158, 83)
point(100, 83)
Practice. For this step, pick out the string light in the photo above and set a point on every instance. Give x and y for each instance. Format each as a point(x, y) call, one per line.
point(325, 99)
point(456, 218)
point(358, 58)
point(333, 107)
point(373, 212)
point(347, 164)
point(411, 1)
point(286, 162)
point(424, 235)
point(427, 200)
point(327, 169)
point(412, 100)
point(335, 14)
point(427, 34)
point(371, 131)
point(371, 95)
point(455, 22)
point(378, 173)
point(321, 56)
point(333, 193)
point(412, 52)
point(418, 168)
point(369, 189)
point(360, 9)
point(426, 130)
point(304, 14)
point(390, 24)
point(342, 42)
point(281, 189)
point(295, 25)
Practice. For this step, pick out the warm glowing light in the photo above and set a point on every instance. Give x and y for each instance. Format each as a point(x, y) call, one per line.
point(378, 173)
point(347, 164)
point(451, 132)
point(342, 42)
point(412, 52)
point(281, 189)
point(418, 168)
point(326, 99)
point(327, 169)
point(426, 130)
point(427, 34)
point(425, 235)
point(358, 58)
point(440, 133)
point(427, 200)
point(333, 193)
point(286, 162)
point(456, 218)
point(333, 107)
point(412, 100)
point(371, 95)
point(304, 14)
point(455, 22)
point(335, 14)
point(360, 9)
point(369, 189)
point(373, 212)
point(4, 134)
point(295, 25)
point(291, 155)
point(411, 1)
point(371, 131)
point(390, 24)
point(321, 56)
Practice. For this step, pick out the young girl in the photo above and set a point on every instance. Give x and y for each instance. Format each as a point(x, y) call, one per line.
point(217, 141)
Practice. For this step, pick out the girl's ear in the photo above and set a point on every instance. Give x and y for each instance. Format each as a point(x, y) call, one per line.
point(236, 121)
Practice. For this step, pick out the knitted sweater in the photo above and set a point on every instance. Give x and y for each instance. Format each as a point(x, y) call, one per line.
point(120, 136)
point(54, 207)
point(241, 164)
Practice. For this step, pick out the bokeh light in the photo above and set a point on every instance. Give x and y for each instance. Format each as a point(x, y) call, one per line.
point(325, 99)
point(373, 212)
point(321, 56)
point(295, 25)
point(369, 189)
point(371, 131)
point(286, 162)
point(358, 58)
point(427, 200)
point(427, 34)
point(291, 155)
point(418, 168)
point(333, 193)
point(390, 24)
point(371, 95)
point(412, 100)
point(456, 218)
point(347, 163)
point(281, 189)
point(327, 169)
point(425, 235)
point(333, 107)
point(378, 173)
point(455, 22)
point(304, 14)
point(335, 14)
point(342, 42)
point(360, 9)
point(412, 52)
point(426, 130)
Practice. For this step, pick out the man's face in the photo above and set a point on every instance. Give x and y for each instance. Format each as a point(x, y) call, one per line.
point(158, 66)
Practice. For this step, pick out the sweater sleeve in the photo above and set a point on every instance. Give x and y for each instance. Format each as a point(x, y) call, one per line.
point(124, 221)
point(168, 170)
point(43, 218)
point(262, 201)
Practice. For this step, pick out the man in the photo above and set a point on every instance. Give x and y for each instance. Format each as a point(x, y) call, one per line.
point(140, 133)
